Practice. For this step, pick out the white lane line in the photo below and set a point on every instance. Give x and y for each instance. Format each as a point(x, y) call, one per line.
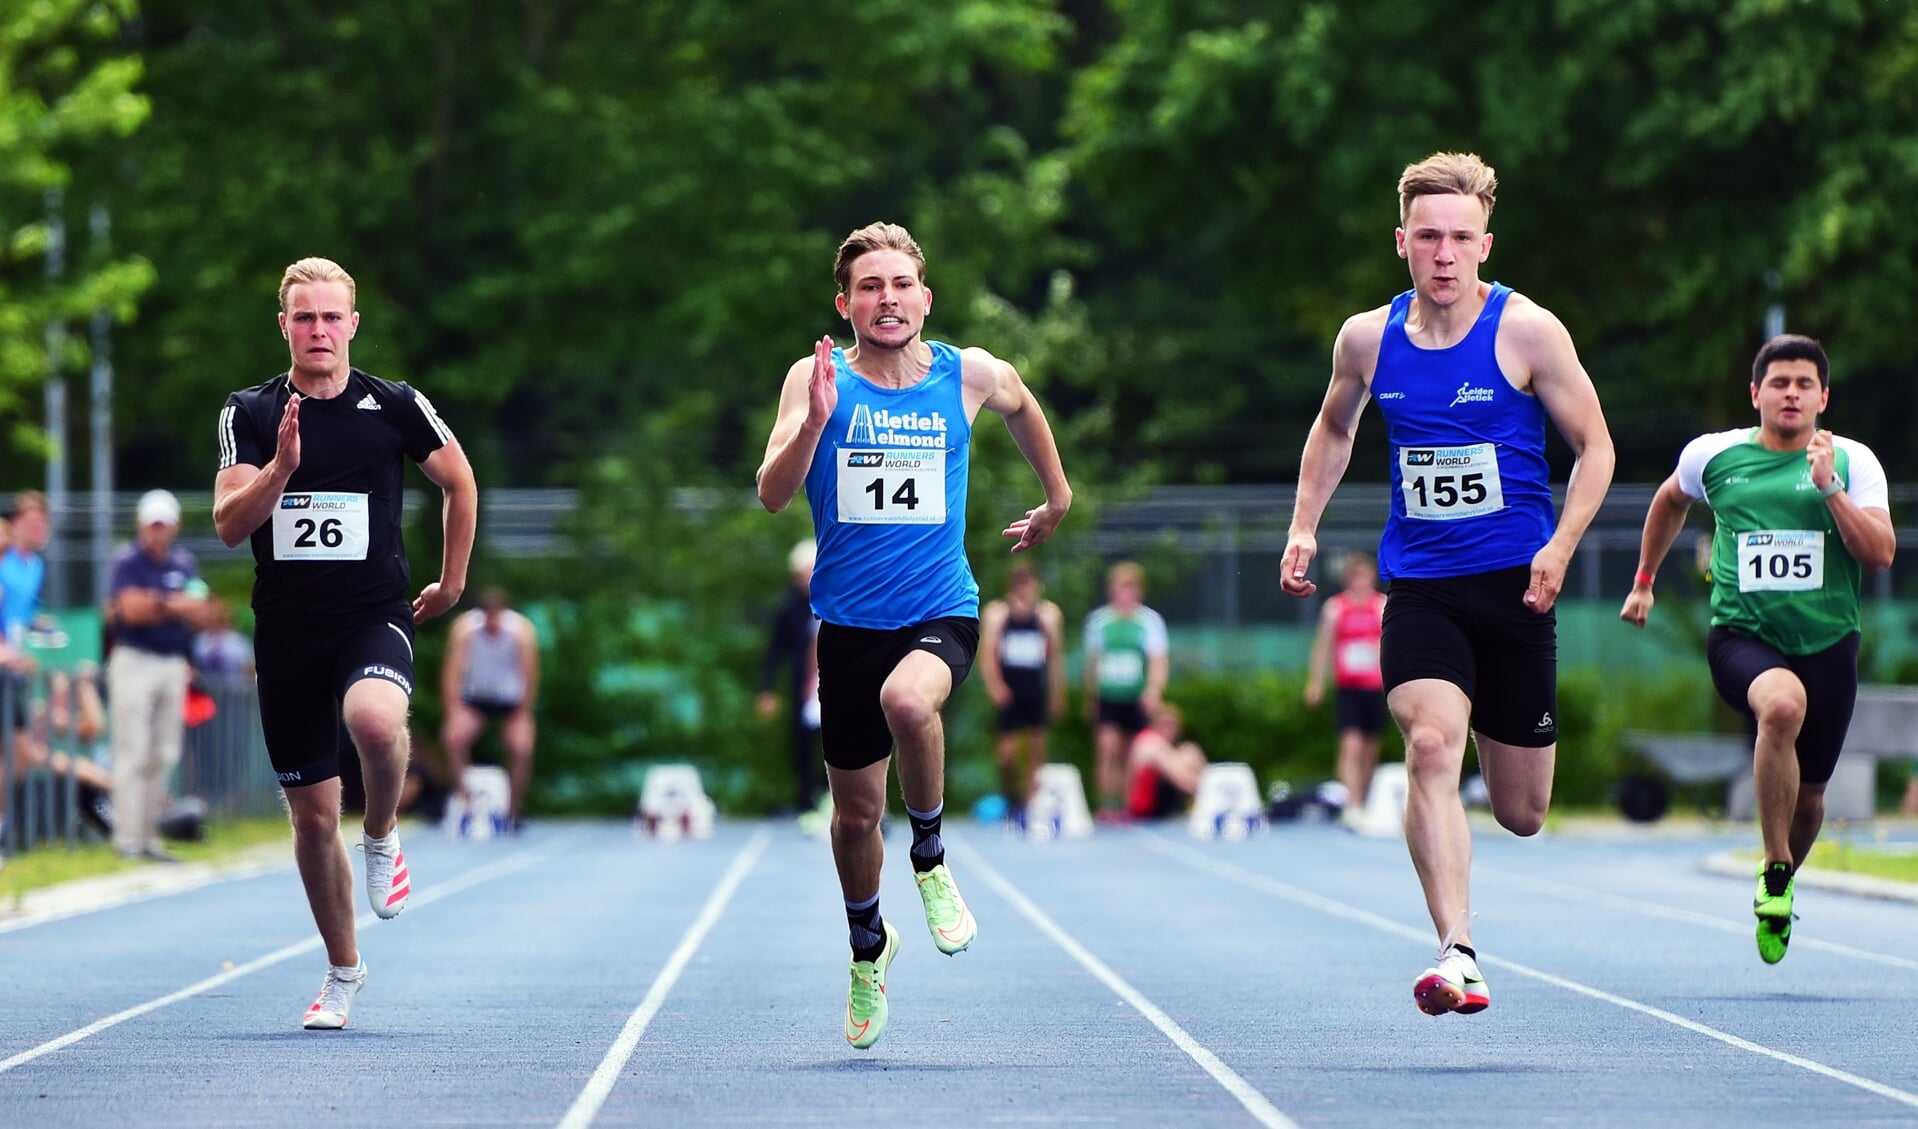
point(467, 881)
point(1386, 925)
point(600, 1086)
point(1254, 1102)
point(1689, 917)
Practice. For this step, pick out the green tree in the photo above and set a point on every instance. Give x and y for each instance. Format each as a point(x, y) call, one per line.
point(66, 95)
point(1669, 169)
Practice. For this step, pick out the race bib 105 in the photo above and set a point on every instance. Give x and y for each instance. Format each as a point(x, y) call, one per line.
point(1781, 560)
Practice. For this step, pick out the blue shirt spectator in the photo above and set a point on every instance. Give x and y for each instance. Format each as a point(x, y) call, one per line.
point(22, 569)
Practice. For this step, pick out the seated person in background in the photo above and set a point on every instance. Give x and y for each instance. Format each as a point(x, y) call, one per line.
point(428, 784)
point(221, 651)
point(74, 712)
point(1163, 770)
point(491, 673)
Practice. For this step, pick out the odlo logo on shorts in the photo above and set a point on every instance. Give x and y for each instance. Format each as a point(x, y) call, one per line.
point(1544, 723)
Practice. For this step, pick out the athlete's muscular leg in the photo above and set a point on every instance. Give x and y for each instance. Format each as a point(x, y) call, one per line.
point(1806, 820)
point(858, 803)
point(1433, 714)
point(1777, 697)
point(320, 853)
point(1519, 781)
point(912, 697)
point(516, 733)
point(375, 712)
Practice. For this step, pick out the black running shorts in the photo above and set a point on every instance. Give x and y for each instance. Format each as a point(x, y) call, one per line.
point(1128, 716)
point(1476, 633)
point(304, 671)
point(854, 663)
point(1830, 678)
point(1363, 710)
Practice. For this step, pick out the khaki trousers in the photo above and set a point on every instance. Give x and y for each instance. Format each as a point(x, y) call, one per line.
point(145, 696)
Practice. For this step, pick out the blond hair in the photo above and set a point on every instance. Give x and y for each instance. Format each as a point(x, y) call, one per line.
point(1448, 174)
point(314, 269)
point(1126, 571)
point(24, 500)
point(881, 236)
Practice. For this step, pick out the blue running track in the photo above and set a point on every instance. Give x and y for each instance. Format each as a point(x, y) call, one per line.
point(580, 976)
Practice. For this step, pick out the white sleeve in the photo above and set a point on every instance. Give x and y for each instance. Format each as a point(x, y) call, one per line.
point(1699, 452)
point(1866, 482)
point(1156, 641)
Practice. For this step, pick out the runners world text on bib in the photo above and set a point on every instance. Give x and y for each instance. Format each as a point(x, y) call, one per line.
point(1449, 483)
point(892, 486)
point(320, 527)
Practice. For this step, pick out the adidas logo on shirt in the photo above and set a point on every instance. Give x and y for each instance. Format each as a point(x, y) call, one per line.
point(369, 404)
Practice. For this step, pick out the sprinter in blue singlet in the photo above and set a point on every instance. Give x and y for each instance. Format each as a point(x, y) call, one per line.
point(1466, 374)
point(879, 436)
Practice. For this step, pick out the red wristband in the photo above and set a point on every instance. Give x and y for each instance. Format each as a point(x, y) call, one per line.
point(1643, 577)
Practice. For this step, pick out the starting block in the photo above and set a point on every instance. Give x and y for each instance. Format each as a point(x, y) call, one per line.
point(673, 804)
point(483, 806)
point(1227, 803)
point(1058, 809)
point(1383, 814)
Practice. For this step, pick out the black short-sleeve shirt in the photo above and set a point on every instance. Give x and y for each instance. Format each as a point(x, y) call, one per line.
point(333, 542)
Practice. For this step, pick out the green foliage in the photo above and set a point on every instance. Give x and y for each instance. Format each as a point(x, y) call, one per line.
point(66, 97)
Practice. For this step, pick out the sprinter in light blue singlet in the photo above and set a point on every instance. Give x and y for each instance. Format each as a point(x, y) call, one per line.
point(1466, 374)
point(879, 435)
point(888, 494)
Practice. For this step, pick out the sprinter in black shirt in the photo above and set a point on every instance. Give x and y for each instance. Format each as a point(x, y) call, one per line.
point(311, 468)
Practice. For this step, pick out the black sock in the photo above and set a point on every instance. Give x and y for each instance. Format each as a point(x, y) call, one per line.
point(867, 929)
point(1467, 950)
point(1777, 876)
point(927, 849)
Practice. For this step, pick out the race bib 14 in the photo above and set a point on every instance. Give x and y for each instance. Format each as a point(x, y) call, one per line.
point(892, 486)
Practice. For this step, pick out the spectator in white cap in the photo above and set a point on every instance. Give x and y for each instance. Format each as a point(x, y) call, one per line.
point(155, 602)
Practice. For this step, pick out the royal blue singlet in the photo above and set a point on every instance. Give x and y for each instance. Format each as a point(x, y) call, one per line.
point(1470, 488)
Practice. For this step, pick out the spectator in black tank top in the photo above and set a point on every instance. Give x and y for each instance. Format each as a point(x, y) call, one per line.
point(1022, 661)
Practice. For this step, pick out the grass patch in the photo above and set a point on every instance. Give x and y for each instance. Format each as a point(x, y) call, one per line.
point(1850, 858)
point(50, 866)
point(1900, 866)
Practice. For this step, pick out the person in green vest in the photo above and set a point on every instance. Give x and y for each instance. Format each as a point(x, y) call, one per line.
point(1126, 665)
point(1801, 514)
